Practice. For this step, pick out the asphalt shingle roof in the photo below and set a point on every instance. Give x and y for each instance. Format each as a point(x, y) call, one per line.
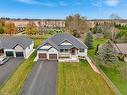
point(56, 40)
point(9, 42)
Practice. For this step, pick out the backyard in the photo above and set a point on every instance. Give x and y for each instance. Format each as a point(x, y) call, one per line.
point(112, 71)
point(80, 79)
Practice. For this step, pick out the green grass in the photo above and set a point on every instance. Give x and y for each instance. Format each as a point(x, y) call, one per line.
point(91, 52)
point(115, 76)
point(80, 79)
point(111, 71)
point(37, 41)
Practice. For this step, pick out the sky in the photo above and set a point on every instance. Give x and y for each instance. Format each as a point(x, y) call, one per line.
point(59, 9)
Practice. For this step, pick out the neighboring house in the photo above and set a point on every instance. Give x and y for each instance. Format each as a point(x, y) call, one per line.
point(13, 46)
point(1, 49)
point(62, 47)
point(121, 49)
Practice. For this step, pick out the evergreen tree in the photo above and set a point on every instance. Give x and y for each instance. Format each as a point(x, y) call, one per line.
point(89, 40)
point(106, 53)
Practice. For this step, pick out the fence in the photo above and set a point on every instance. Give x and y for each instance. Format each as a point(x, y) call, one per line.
point(109, 82)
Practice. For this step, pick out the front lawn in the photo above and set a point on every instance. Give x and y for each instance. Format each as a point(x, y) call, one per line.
point(80, 79)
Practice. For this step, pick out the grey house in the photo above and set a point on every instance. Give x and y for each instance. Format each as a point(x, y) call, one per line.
point(15, 46)
point(62, 47)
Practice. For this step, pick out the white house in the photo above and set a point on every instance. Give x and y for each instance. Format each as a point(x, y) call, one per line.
point(16, 46)
point(62, 47)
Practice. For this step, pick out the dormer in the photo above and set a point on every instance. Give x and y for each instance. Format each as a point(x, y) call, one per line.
point(65, 43)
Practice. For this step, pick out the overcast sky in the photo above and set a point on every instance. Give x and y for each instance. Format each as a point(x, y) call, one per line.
point(59, 9)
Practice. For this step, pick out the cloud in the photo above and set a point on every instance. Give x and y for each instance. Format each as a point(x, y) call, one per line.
point(100, 3)
point(97, 3)
point(112, 2)
point(63, 4)
point(37, 3)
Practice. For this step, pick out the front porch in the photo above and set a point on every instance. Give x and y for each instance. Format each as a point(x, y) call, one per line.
point(68, 55)
point(69, 59)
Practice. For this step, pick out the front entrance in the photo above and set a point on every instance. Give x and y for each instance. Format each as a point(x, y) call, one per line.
point(73, 51)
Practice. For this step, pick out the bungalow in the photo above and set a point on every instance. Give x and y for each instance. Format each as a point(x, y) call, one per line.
point(62, 47)
point(16, 46)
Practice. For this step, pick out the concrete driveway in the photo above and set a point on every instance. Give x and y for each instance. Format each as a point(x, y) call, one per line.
point(42, 80)
point(8, 68)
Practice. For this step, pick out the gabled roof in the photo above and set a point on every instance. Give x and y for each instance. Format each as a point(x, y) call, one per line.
point(9, 42)
point(56, 40)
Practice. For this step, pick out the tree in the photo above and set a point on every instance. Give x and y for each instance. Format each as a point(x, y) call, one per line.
point(2, 24)
point(31, 28)
point(89, 40)
point(76, 24)
point(10, 28)
point(106, 53)
point(114, 16)
point(1, 30)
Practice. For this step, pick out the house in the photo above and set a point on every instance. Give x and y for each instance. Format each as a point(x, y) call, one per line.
point(121, 49)
point(15, 46)
point(62, 47)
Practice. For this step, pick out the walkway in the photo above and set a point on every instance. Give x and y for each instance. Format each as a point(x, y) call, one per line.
point(92, 65)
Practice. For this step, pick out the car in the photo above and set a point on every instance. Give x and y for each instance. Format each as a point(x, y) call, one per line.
point(3, 60)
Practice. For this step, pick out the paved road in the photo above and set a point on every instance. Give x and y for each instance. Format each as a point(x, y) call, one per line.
point(42, 80)
point(8, 68)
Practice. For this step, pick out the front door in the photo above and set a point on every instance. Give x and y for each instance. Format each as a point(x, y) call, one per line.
point(73, 51)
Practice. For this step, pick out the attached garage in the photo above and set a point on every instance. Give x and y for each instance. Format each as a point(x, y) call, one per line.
point(19, 54)
point(9, 53)
point(42, 56)
point(52, 56)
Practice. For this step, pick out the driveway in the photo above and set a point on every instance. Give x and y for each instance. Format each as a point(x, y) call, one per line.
point(42, 80)
point(8, 68)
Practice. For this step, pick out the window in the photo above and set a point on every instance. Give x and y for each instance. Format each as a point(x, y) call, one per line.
point(66, 50)
point(81, 50)
point(61, 50)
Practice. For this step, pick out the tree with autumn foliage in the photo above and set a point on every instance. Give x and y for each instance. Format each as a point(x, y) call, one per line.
point(10, 28)
point(31, 28)
point(76, 25)
point(2, 24)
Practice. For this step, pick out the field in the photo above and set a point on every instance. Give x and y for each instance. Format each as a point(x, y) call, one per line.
point(80, 79)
